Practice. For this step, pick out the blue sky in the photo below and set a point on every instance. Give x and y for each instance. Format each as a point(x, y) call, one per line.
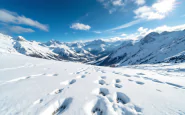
point(74, 20)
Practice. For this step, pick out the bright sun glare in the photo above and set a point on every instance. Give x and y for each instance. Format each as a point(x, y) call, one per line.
point(164, 6)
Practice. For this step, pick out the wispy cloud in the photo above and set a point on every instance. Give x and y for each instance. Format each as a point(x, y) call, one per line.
point(142, 32)
point(12, 17)
point(123, 34)
point(129, 24)
point(112, 5)
point(158, 10)
point(80, 26)
point(140, 2)
point(19, 29)
point(97, 32)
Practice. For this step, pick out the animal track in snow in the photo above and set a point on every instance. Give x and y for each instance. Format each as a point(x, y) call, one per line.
point(97, 107)
point(158, 90)
point(126, 75)
point(50, 75)
point(68, 82)
point(81, 76)
point(38, 101)
point(117, 80)
point(136, 76)
point(56, 91)
point(157, 81)
point(22, 78)
point(101, 82)
point(72, 81)
point(130, 80)
point(58, 107)
point(103, 77)
point(118, 85)
point(140, 74)
point(140, 83)
point(101, 91)
point(121, 98)
point(175, 85)
point(147, 78)
point(119, 73)
point(18, 79)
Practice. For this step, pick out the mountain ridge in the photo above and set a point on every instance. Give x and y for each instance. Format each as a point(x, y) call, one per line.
point(153, 48)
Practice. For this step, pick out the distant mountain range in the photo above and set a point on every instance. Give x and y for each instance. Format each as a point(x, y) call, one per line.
point(153, 48)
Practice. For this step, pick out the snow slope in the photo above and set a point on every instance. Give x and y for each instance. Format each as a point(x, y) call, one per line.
point(88, 51)
point(153, 48)
point(20, 45)
point(37, 86)
point(6, 44)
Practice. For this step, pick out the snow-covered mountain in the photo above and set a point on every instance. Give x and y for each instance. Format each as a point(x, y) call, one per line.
point(89, 51)
point(86, 52)
point(153, 48)
point(47, 87)
point(34, 49)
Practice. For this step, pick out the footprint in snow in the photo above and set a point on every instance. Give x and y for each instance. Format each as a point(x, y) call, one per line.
point(97, 107)
point(101, 82)
point(136, 76)
point(81, 76)
point(101, 91)
point(157, 81)
point(37, 101)
point(130, 80)
point(68, 82)
point(117, 80)
point(56, 91)
point(51, 75)
point(103, 77)
point(175, 85)
point(18, 79)
point(72, 81)
point(117, 85)
point(121, 98)
point(140, 74)
point(126, 75)
point(140, 83)
point(158, 90)
point(58, 107)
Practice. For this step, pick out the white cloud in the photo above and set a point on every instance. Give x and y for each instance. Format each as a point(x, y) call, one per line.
point(125, 25)
point(140, 2)
point(158, 10)
point(169, 28)
point(144, 31)
point(12, 17)
point(147, 13)
point(112, 5)
point(19, 29)
point(123, 34)
point(164, 6)
point(80, 26)
point(117, 3)
point(97, 32)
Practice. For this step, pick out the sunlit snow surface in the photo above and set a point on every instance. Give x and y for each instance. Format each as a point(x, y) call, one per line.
point(37, 86)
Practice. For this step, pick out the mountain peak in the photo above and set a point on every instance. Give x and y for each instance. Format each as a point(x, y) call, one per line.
point(20, 38)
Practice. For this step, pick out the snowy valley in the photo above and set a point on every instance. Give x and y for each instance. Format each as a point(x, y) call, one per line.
point(151, 83)
point(165, 47)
